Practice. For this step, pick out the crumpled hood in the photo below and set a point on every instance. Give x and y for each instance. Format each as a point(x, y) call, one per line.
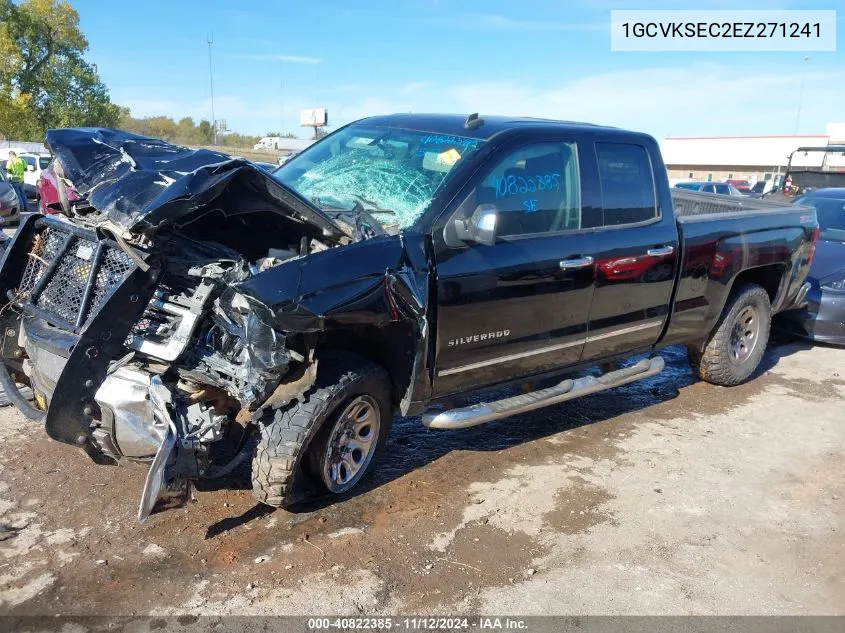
point(138, 183)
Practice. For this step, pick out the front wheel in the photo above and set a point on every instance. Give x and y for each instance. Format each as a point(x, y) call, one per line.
point(737, 344)
point(340, 426)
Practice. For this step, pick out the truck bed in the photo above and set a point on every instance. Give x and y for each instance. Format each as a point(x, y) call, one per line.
point(722, 237)
point(698, 205)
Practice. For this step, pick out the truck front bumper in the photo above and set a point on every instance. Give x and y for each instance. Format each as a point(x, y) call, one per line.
point(71, 300)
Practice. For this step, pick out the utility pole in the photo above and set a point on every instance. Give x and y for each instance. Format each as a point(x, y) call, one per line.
point(210, 41)
point(801, 94)
point(281, 98)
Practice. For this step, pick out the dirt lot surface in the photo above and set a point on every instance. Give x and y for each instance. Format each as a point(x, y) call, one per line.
point(664, 497)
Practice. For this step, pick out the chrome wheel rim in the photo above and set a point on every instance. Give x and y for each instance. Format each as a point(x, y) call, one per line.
point(744, 335)
point(351, 444)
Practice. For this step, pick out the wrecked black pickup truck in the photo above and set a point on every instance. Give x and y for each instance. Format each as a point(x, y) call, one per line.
point(193, 311)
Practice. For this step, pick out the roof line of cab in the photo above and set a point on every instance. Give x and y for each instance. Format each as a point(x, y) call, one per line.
point(454, 124)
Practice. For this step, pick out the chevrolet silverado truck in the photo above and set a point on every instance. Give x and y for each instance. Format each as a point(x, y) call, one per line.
point(192, 311)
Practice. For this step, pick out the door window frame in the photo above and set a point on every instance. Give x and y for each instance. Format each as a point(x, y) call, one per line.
point(590, 185)
point(492, 163)
point(658, 209)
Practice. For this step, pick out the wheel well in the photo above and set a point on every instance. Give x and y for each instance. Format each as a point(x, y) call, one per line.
point(391, 347)
point(767, 277)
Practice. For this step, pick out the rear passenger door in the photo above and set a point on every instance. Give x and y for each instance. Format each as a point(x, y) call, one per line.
point(636, 255)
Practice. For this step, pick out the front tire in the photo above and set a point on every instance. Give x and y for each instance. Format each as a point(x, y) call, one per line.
point(341, 425)
point(737, 344)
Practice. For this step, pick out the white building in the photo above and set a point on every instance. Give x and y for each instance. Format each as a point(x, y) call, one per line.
point(749, 158)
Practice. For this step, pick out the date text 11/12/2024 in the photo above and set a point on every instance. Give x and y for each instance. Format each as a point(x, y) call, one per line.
point(418, 623)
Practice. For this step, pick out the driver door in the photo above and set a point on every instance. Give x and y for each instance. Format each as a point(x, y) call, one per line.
point(520, 305)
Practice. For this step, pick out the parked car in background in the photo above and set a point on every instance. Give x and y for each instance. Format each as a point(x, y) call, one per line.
point(823, 319)
point(49, 195)
point(722, 188)
point(10, 206)
point(742, 186)
point(761, 188)
point(35, 164)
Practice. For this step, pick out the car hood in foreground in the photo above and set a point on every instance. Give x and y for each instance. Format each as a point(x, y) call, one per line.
point(138, 183)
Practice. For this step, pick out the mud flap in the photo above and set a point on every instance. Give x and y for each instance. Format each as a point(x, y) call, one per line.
point(155, 476)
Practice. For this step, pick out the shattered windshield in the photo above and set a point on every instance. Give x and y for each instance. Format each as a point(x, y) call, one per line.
point(391, 173)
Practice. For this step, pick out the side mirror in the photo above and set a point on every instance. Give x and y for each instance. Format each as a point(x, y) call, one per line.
point(30, 168)
point(481, 227)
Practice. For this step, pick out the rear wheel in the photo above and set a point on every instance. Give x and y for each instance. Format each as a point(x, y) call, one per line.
point(737, 344)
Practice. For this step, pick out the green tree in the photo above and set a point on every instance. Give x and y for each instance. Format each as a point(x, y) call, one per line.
point(186, 130)
point(44, 80)
point(205, 135)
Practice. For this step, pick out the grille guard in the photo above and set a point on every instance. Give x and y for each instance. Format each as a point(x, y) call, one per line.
point(101, 327)
point(69, 274)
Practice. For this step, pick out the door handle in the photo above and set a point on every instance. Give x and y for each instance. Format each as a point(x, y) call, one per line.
point(660, 251)
point(578, 262)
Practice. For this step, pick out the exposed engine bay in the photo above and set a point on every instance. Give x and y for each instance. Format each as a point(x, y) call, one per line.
point(197, 341)
point(198, 358)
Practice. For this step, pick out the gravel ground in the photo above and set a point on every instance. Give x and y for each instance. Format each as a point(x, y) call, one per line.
point(669, 496)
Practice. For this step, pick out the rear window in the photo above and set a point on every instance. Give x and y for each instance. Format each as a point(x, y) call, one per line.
point(627, 184)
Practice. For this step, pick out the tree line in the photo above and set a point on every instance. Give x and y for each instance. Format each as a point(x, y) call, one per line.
point(186, 131)
point(46, 83)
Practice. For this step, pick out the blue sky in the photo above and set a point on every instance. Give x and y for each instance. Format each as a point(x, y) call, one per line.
point(533, 57)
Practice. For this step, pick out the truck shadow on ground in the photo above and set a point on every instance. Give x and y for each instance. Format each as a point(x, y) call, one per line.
point(412, 447)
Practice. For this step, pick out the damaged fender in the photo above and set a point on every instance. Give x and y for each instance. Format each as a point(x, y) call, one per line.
point(342, 295)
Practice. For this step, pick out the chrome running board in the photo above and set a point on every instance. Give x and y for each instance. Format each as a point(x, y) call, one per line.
point(569, 389)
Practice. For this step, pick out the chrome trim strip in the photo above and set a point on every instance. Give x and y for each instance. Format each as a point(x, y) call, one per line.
point(625, 330)
point(550, 348)
point(509, 357)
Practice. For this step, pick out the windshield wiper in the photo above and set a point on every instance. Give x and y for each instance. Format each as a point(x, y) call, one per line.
point(365, 224)
point(372, 207)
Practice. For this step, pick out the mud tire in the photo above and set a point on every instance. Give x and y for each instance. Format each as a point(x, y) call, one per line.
point(287, 434)
point(712, 361)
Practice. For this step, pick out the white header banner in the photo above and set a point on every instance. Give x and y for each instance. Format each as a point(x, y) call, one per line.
point(727, 31)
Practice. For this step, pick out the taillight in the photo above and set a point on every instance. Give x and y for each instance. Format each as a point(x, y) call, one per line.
point(813, 241)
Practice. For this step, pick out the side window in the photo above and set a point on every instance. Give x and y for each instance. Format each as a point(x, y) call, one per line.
point(535, 189)
point(709, 188)
point(723, 189)
point(627, 183)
